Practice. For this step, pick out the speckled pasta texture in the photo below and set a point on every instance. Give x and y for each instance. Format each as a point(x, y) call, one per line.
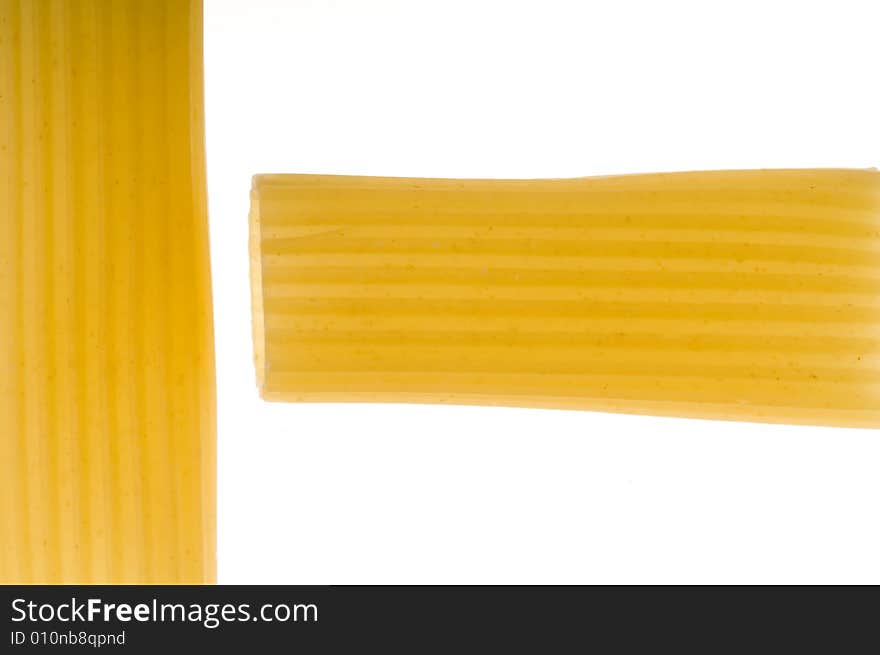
point(747, 295)
point(106, 345)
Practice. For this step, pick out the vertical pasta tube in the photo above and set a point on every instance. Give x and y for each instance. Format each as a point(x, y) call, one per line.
point(106, 369)
point(747, 295)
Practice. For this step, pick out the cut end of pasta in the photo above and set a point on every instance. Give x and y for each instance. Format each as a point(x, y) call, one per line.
point(256, 265)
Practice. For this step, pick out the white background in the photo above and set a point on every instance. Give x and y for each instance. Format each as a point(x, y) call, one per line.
point(420, 494)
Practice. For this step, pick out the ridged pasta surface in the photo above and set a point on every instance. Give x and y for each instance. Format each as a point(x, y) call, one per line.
point(106, 346)
point(750, 295)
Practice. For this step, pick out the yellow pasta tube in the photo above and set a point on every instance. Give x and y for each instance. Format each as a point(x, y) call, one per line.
point(106, 346)
point(746, 295)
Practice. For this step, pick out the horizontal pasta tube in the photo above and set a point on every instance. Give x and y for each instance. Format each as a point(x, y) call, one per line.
point(744, 295)
point(106, 347)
